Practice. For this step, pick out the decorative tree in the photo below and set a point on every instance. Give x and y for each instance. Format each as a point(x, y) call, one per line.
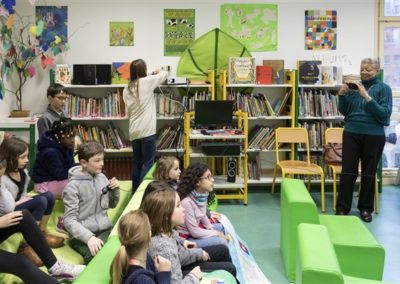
point(19, 49)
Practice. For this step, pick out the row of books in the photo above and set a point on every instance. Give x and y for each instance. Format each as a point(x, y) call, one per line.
point(189, 102)
point(110, 137)
point(316, 133)
point(261, 137)
point(166, 105)
point(110, 106)
point(170, 137)
point(120, 167)
point(254, 168)
point(321, 103)
point(259, 105)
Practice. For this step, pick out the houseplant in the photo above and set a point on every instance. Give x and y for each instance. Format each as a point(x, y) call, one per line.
point(20, 50)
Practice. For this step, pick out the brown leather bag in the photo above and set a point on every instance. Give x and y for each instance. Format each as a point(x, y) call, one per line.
point(332, 153)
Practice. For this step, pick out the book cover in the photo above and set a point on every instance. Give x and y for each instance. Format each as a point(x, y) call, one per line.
point(263, 75)
point(309, 72)
point(327, 75)
point(120, 72)
point(242, 70)
point(63, 74)
point(278, 70)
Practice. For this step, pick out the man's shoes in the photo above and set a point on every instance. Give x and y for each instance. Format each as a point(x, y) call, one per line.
point(63, 271)
point(365, 216)
point(27, 251)
point(53, 241)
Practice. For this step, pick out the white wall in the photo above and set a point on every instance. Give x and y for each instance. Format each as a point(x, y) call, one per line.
point(88, 24)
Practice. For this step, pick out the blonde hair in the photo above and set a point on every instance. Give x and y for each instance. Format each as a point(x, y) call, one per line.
point(163, 166)
point(134, 235)
point(159, 206)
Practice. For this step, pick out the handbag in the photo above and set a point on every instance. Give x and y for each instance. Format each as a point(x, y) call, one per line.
point(332, 153)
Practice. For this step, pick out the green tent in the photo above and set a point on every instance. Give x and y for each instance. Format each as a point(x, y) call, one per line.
point(211, 51)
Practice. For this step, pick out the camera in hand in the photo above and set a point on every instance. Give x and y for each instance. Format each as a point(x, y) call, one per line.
point(352, 86)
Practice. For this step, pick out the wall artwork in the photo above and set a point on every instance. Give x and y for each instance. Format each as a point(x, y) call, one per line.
point(179, 30)
point(53, 24)
point(254, 25)
point(121, 34)
point(320, 30)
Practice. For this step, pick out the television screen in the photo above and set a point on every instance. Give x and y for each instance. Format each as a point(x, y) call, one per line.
point(213, 113)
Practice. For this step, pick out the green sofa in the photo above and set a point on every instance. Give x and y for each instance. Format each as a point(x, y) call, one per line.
point(358, 252)
point(316, 259)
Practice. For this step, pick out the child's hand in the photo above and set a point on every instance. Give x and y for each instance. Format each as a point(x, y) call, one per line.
point(215, 215)
point(94, 245)
point(22, 200)
point(161, 263)
point(197, 272)
point(10, 219)
point(187, 244)
point(206, 256)
point(114, 183)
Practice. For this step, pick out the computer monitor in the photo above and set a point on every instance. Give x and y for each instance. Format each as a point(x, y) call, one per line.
point(213, 113)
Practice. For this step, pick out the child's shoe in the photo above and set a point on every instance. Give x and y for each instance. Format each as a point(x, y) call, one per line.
point(60, 225)
point(27, 251)
point(63, 271)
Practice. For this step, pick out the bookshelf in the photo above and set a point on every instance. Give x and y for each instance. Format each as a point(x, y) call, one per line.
point(268, 107)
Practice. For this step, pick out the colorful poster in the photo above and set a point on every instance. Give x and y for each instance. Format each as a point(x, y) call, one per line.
point(54, 22)
point(254, 25)
point(121, 34)
point(320, 30)
point(179, 30)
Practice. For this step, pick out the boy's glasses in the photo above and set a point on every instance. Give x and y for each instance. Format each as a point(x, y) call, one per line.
point(61, 98)
point(209, 177)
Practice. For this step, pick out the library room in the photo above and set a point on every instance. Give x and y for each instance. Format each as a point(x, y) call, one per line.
point(202, 142)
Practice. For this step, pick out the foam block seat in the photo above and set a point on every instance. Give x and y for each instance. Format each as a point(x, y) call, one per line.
point(317, 259)
point(358, 252)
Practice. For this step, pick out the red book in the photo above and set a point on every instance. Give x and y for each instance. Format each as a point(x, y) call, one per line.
point(263, 75)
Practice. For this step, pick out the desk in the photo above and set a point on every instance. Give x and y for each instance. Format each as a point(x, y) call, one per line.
point(23, 124)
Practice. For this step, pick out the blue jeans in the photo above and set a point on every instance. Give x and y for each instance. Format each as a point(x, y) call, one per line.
point(211, 241)
point(39, 205)
point(144, 154)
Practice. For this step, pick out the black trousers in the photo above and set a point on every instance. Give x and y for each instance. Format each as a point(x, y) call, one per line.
point(367, 149)
point(219, 259)
point(18, 264)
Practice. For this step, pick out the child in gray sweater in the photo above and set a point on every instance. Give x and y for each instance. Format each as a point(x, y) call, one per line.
point(187, 261)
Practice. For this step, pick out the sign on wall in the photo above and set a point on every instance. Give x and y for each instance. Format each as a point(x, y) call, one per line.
point(121, 34)
point(179, 30)
point(254, 25)
point(320, 30)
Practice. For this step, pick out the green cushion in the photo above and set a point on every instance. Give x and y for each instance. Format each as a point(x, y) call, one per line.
point(125, 195)
point(214, 206)
point(149, 174)
point(98, 270)
point(317, 262)
point(222, 275)
point(297, 207)
point(358, 252)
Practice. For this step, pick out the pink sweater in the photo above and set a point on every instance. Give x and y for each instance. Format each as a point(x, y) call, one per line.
point(194, 216)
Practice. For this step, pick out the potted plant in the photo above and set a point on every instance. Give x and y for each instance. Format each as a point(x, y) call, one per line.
point(19, 51)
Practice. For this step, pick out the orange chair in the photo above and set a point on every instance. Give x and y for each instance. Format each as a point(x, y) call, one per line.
point(335, 135)
point(296, 135)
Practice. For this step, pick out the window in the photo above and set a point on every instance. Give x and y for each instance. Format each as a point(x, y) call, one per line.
point(389, 51)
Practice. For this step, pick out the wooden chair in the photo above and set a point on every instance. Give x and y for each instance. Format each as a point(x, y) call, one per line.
point(291, 167)
point(335, 135)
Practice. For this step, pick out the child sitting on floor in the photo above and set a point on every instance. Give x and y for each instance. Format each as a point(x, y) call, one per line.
point(86, 199)
point(132, 264)
point(196, 191)
point(55, 158)
point(187, 261)
point(16, 180)
point(167, 169)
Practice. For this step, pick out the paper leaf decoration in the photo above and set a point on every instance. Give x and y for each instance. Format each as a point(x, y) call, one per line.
point(46, 61)
point(10, 22)
point(40, 27)
point(3, 11)
point(31, 71)
point(9, 5)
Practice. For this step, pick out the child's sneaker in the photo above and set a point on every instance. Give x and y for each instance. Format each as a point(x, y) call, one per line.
point(60, 225)
point(63, 271)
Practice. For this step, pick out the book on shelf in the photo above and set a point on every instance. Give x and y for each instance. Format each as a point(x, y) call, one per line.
point(263, 75)
point(278, 70)
point(319, 103)
point(331, 75)
point(120, 72)
point(241, 70)
point(63, 74)
point(261, 137)
point(310, 72)
point(170, 137)
point(110, 137)
point(280, 107)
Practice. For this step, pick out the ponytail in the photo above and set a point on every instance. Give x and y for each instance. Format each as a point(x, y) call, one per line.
point(119, 266)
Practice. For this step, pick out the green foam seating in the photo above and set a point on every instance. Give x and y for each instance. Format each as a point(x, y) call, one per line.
point(357, 251)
